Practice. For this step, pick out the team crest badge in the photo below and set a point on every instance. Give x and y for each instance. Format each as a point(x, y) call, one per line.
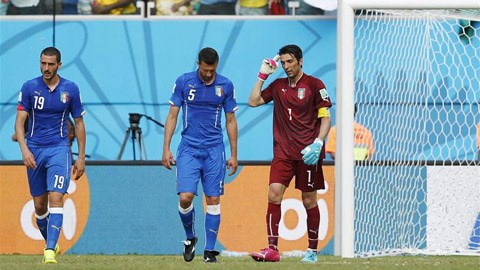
point(64, 97)
point(301, 93)
point(218, 90)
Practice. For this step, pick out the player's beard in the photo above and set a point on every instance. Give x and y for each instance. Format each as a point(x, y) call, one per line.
point(50, 75)
point(208, 79)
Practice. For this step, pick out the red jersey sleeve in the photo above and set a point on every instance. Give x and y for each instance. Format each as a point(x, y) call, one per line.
point(322, 97)
point(267, 93)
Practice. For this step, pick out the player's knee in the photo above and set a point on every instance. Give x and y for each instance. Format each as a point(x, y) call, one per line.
point(212, 200)
point(275, 193)
point(56, 203)
point(186, 199)
point(274, 197)
point(185, 204)
point(41, 208)
point(309, 203)
point(309, 199)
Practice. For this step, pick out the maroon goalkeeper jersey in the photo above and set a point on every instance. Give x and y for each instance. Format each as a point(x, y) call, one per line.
point(295, 114)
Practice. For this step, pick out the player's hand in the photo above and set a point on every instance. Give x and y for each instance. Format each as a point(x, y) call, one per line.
point(28, 159)
point(311, 153)
point(233, 164)
point(268, 67)
point(79, 168)
point(167, 159)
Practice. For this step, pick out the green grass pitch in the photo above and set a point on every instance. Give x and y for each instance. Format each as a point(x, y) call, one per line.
point(139, 262)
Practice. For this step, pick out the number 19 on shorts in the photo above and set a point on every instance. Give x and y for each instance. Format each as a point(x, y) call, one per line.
point(59, 181)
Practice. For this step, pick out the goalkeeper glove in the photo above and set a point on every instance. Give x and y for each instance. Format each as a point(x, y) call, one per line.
point(311, 153)
point(268, 67)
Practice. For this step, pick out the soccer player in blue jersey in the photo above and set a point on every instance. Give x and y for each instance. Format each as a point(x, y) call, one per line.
point(47, 102)
point(203, 95)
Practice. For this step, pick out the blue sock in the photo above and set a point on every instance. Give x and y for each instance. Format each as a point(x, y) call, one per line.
point(212, 223)
point(54, 226)
point(42, 223)
point(188, 220)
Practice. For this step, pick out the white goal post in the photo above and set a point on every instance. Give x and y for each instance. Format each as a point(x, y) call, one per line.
point(345, 99)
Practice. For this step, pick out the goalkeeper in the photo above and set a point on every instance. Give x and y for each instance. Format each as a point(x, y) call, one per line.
point(301, 121)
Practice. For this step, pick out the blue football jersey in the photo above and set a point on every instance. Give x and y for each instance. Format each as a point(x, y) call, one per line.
point(49, 110)
point(202, 107)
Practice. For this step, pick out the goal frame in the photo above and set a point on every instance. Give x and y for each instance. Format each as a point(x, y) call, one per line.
point(344, 165)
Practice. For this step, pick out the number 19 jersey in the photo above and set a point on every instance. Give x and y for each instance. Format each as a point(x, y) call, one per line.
point(48, 111)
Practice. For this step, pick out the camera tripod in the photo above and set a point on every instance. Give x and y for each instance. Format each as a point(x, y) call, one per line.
point(136, 135)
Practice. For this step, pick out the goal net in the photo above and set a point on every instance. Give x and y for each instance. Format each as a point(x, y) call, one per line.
point(417, 89)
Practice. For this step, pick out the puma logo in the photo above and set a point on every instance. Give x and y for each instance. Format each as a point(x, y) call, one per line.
point(55, 227)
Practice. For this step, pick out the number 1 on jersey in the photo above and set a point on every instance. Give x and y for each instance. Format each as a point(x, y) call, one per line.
point(289, 114)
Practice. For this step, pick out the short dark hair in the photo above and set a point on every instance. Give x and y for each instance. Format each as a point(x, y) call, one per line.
point(50, 51)
point(291, 49)
point(208, 55)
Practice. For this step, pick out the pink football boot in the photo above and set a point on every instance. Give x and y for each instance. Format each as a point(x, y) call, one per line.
point(269, 254)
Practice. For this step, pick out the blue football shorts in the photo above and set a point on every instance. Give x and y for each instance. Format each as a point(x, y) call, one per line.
point(54, 166)
point(205, 164)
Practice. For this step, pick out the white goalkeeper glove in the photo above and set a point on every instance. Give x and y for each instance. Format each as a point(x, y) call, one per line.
point(311, 153)
point(268, 67)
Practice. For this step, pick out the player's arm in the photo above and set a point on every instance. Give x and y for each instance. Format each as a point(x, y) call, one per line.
point(27, 156)
point(268, 67)
point(79, 166)
point(14, 136)
point(325, 125)
point(170, 124)
point(255, 98)
point(311, 153)
point(232, 132)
